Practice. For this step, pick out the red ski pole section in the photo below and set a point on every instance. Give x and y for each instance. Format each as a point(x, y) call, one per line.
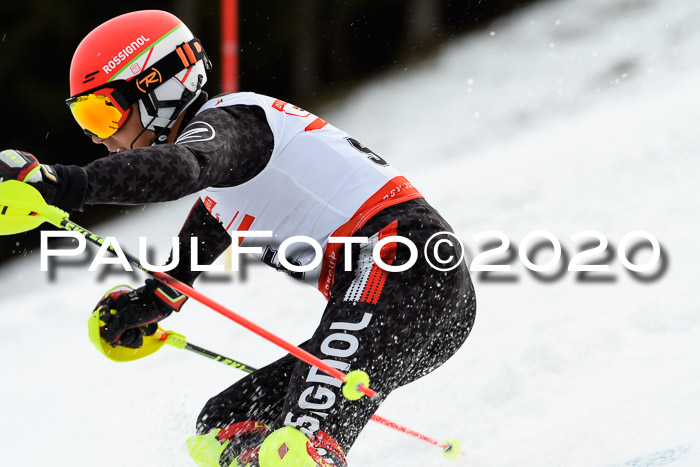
point(301, 354)
point(408, 431)
point(229, 45)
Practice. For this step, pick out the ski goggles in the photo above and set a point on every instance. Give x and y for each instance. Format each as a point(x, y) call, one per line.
point(99, 113)
point(102, 111)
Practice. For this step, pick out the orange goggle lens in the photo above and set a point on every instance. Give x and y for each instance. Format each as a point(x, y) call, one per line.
point(97, 114)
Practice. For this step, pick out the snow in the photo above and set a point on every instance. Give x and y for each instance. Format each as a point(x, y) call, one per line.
point(573, 115)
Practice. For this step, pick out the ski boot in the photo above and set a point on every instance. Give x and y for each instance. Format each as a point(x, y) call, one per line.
point(290, 447)
point(234, 446)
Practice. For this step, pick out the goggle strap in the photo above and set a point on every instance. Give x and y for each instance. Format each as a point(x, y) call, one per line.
point(183, 57)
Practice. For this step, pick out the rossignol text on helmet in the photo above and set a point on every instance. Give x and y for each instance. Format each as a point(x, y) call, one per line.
point(149, 57)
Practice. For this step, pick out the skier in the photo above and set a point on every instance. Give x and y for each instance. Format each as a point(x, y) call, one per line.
point(259, 163)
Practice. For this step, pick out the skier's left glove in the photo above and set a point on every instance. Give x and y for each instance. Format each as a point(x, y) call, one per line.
point(129, 314)
point(64, 186)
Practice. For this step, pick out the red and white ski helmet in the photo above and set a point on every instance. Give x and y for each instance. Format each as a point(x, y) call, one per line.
point(132, 44)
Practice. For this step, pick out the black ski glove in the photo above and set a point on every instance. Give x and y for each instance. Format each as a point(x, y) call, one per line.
point(64, 186)
point(129, 314)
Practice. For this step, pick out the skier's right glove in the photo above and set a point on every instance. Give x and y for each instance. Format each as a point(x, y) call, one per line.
point(64, 186)
point(129, 314)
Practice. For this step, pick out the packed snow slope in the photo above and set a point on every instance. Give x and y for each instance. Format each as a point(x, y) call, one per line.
point(570, 116)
